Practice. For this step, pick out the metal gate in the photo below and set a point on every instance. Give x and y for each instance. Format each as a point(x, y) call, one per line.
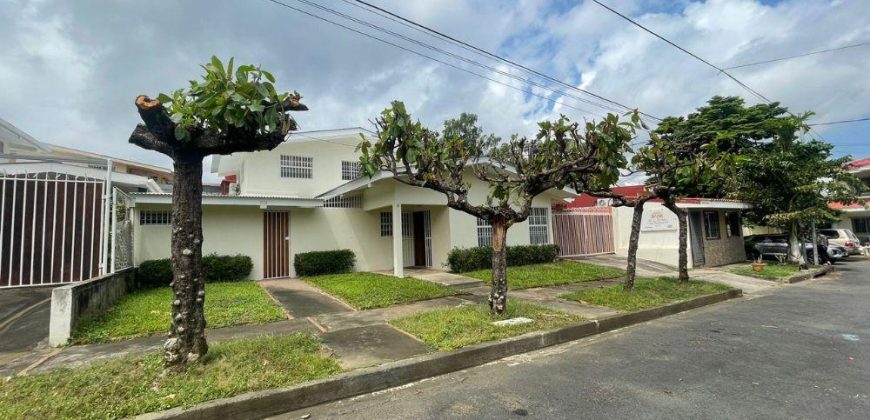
point(584, 231)
point(51, 228)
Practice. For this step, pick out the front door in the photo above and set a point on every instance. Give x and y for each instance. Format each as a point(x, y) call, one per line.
point(276, 244)
point(697, 237)
point(419, 239)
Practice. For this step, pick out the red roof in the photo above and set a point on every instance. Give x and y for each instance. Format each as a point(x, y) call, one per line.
point(585, 200)
point(841, 206)
point(860, 163)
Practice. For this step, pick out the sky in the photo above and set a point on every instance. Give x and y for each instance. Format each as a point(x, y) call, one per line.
point(70, 70)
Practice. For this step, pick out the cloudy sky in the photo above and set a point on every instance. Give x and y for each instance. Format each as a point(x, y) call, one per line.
point(69, 70)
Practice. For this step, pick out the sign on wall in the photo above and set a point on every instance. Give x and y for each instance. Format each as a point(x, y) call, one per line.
point(658, 219)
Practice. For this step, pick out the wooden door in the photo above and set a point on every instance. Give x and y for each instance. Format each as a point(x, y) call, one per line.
point(276, 244)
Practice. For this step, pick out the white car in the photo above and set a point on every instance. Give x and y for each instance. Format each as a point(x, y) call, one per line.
point(844, 238)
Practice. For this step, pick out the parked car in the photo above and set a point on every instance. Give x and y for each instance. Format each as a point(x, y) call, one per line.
point(845, 238)
point(776, 247)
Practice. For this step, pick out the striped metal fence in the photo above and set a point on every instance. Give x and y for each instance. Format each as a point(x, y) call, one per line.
point(583, 231)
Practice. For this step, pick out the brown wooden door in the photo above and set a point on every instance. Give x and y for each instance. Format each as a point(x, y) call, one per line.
point(419, 240)
point(276, 244)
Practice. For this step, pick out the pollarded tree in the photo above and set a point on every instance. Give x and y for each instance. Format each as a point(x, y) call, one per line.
point(227, 111)
point(562, 153)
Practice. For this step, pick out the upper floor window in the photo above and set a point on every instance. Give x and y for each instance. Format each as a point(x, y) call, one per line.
point(484, 233)
point(350, 170)
point(711, 224)
point(344, 202)
point(296, 166)
point(538, 230)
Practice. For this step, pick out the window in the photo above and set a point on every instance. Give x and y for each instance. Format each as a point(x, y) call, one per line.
point(344, 202)
point(155, 217)
point(732, 219)
point(484, 233)
point(861, 225)
point(296, 166)
point(538, 232)
point(386, 224)
point(831, 234)
point(350, 170)
point(711, 224)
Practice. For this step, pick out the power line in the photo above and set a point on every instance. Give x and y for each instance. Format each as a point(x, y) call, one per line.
point(469, 47)
point(313, 15)
point(756, 63)
point(840, 122)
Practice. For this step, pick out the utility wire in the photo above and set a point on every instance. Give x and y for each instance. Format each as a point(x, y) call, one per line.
point(840, 122)
point(861, 44)
point(313, 15)
point(469, 47)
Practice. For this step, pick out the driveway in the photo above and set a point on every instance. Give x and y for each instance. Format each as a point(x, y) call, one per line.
point(24, 315)
point(799, 351)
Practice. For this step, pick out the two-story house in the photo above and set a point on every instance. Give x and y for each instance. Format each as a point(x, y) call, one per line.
point(857, 216)
point(308, 195)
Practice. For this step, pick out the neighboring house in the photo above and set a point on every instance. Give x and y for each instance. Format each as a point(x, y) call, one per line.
point(308, 195)
point(857, 216)
point(715, 231)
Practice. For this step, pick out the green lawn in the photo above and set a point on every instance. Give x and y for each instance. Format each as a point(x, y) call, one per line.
point(772, 271)
point(372, 290)
point(647, 293)
point(131, 386)
point(552, 274)
point(147, 312)
point(451, 328)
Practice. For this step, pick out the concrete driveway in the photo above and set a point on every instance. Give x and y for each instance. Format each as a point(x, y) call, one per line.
point(24, 315)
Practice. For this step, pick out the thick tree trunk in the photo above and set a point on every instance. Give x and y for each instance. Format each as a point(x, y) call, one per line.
point(186, 343)
point(498, 292)
point(795, 251)
point(633, 241)
point(683, 245)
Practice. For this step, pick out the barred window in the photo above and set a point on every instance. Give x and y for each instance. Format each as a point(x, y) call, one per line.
point(350, 170)
point(344, 202)
point(155, 217)
point(711, 224)
point(538, 231)
point(484, 233)
point(296, 166)
point(386, 223)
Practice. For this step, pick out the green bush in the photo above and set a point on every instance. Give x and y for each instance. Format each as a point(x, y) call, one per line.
point(158, 273)
point(478, 258)
point(324, 262)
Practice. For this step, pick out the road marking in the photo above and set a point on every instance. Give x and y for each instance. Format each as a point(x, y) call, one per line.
point(5, 324)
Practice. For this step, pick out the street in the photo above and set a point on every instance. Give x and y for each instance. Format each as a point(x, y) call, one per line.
point(801, 351)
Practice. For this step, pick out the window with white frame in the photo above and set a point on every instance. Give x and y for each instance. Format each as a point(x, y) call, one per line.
point(484, 233)
point(296, 166)
point(732, 223)
point(155, 217)
point(350, 170)
point(344, 202)
point(711, 225)
point(539, 234)
point(386, 224)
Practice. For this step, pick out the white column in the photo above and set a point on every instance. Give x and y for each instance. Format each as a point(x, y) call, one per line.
point(398, 262)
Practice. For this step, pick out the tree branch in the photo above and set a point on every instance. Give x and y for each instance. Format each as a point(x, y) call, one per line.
point(142, 137)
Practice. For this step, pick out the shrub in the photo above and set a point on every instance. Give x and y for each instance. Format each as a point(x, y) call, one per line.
point(158, 273)
point(477, 258)
point(324, 262)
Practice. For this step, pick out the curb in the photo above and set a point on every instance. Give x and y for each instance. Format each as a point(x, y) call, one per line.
point(261, 404)
point(808, 275)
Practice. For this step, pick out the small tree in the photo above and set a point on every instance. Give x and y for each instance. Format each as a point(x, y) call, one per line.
point(516, 171)
point(226, 112)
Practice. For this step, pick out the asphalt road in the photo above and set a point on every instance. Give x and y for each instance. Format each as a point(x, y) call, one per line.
point(801, 351)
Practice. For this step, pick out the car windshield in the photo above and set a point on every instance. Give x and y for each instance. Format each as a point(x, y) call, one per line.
point(851, 235)
point(833, 234)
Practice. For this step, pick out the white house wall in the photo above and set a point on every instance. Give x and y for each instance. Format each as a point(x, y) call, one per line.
point(660, 245)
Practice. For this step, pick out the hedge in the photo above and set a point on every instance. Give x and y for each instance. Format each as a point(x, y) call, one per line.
point(324, 262)
point(461, 260)
point(158, 273)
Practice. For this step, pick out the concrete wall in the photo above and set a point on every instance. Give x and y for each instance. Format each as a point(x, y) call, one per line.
point(69, 304)
point(661, 246)
point(724, 250)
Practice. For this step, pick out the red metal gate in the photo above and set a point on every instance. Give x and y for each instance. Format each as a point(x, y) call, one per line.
point(583, 231)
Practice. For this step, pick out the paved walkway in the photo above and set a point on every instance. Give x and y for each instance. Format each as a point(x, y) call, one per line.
point(24, 314)
point(645, 268)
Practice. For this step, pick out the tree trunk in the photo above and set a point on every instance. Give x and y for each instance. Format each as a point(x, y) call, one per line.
point(683, 258)
point(795, 253)
point(498, 292)
point(186, 343)
point(633, 241)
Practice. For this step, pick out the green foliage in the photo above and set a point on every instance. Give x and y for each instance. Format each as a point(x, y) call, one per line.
point(158, 273)
point(324, 262)
point(148, 312)
point(244, 99)
point(372, 290)
point(461, 260)
point(136, 385)
point(451, 328)
point(550, 274)
point(647, 293)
